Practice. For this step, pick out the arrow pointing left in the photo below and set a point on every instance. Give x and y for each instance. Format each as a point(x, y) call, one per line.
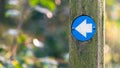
point(84, 28)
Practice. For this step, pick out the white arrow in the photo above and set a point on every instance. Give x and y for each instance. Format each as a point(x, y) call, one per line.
point(84, 28)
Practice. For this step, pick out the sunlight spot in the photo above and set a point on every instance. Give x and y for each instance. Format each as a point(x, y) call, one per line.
point(38, 43)
point(12, 32)
point(13, 2)
point(13, 12)
point(58, 2)
point(43, 10)
point(49, 15)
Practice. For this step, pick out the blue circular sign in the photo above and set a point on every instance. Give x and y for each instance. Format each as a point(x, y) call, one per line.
point(83, 28)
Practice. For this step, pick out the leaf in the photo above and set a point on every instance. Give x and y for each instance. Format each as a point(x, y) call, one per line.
point(110, 2)
point(21, 38)
point(45, 3)
point(1, 66)
point(16, 64)
point(33, 3)
point(48, 4)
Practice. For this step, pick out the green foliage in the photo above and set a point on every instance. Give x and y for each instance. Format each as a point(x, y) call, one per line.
point(21, 38)
point(37, 26)
point(45, 3)
point(33, 2)
point(16, 64)
point(48, 4)
point(110, 2)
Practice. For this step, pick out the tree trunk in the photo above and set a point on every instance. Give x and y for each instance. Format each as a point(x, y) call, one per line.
point(87, 54)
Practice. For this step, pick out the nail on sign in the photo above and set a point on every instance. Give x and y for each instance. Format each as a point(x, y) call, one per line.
point(83, 28)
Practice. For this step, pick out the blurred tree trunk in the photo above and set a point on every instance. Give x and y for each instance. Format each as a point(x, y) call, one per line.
point(24, 10)
point(87, 54)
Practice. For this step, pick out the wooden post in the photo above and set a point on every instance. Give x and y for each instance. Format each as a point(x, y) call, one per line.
point(87, 54)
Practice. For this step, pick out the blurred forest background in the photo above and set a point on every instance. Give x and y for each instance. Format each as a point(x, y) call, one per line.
point(112, 34)
point(34, 33)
